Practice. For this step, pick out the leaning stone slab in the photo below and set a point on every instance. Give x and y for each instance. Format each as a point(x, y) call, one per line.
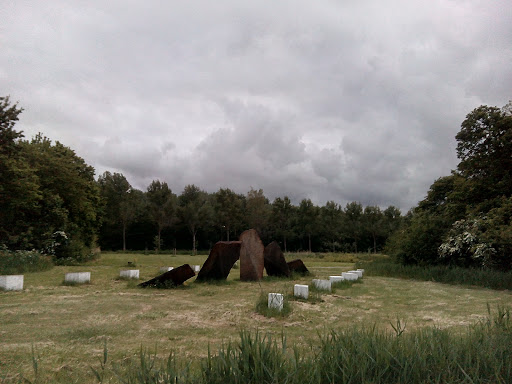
point(358, 273)
point(11, 282)
point(172, 278)
point(297, 266)
point(165, 269)
point(78, 277)
point(336, 279)
point(276, 300)
point(350, 276)
point(274, 261)
point(251, 256)
point(301, 291)
point(324, 285)
point(130, 274)
point(221, 259)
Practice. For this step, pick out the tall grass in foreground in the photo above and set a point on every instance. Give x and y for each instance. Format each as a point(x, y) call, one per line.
point(443, 274)
point(480, 354)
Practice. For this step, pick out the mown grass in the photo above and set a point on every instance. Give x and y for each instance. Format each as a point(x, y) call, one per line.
point(442, 274)
point(68, 326)
point(480, 354)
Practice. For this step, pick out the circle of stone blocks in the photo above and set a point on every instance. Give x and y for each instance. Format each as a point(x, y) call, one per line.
point(11, 282)
point(276, 300)
point(336, 279)
point(78, 277)
point(301, 291)
point(324, 285)
point(130, 274)
point(358, 272)
point(197, 268)
point(165, 269)
point(350, 276)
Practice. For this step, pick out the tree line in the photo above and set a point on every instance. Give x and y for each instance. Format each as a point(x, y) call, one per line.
point(195, 219)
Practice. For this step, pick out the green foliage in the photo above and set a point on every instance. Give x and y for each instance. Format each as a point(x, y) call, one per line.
point(19, 262)
point(465, 218)
point(439, 273)
point(162, 205)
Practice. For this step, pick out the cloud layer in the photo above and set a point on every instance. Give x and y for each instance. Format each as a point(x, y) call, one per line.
point(328, 100)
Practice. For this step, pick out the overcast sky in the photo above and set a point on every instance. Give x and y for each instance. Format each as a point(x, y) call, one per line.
point(328, 100)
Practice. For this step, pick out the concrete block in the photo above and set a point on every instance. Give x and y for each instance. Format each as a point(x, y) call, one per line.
point(130, 274)
point(362, 270)
point(350, 276)
point(336, 279)
point(11, 282)
point(276, 300)
point(358, 272)
point(197, 268)
point(165, 269)
point(301, 291)
point(78, 277)
point(324, 285)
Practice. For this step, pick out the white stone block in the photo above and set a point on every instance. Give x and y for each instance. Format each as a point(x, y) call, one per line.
point(130, 274)
point(301, 291)
point(165, 269)
point(78, 277)
point(324, 285)
point(336, 279)
point(197, 268)
point(358, 273)
point(11, 282)
point(276, 300)
point(350, 276)
point(361, 270)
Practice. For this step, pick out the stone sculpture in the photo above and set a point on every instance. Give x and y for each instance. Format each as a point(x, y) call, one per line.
point(221, 259)
point(275, 263)
point(297, 266)
point(172, 278)
point(251, 256)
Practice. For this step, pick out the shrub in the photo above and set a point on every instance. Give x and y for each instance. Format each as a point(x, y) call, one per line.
point(18, 262)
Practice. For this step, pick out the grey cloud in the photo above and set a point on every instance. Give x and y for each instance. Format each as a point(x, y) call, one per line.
point(333, 100)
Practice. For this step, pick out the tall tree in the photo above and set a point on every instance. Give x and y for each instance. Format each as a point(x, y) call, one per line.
point(195, 210)
point(308, 217)
point(70, 197)
point(115, 190)
point(229, 210)
point(258, 210)
point(282, 218)
point(353, 221)
point(162, 207)
point(332, 216)
point(20, 195)
point(373, 221)
point(484, 147)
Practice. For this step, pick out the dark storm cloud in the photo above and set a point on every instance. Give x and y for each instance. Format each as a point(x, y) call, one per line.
point(328, 100)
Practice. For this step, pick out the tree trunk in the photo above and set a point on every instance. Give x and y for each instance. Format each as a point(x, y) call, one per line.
point(194, 242)
point(124, 237)
point(284, 241)
point(159, 240)
point(309, 242)
point(374, 243)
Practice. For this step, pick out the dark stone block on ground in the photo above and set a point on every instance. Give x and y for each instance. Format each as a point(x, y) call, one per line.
point(251, 256)
point(275, 263)
point(223, 256)
point(297, 266)
point(172, 278)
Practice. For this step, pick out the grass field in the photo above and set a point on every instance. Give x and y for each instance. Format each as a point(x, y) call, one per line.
point(67, 326)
